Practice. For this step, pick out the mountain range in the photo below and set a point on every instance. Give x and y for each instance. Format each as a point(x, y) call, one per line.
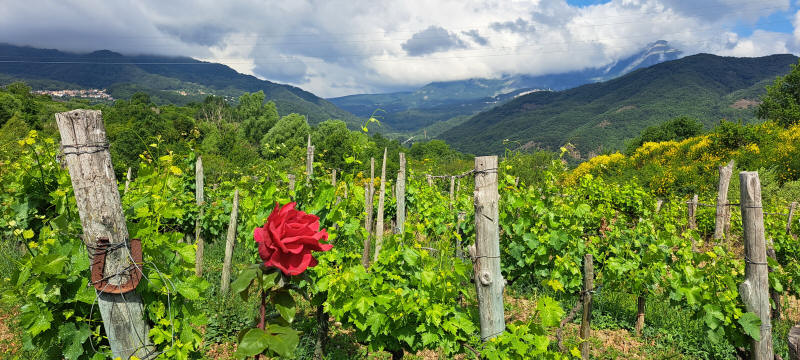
point(176, 80)
point(440, 101)
point(602, 116)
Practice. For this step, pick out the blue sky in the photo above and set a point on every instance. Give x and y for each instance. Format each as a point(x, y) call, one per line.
point(341, 47)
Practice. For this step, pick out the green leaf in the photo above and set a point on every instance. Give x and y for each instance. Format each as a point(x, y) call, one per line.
point(188, 291)
point(549, 311)
point(50, 264)
point(282, 340)
point(285, 304)
point(252, 343)
point(751, 324)
point(72, 339)
point(242, 282)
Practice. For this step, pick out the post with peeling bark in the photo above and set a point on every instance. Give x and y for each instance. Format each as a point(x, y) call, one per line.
point(198, 229)
point(792, 206)
point(485, 254)
point(586, 320)
point(309, 161)
point(755, 288)
point(794, 343)
point(723, 208)
point(452, 188)
point(381, 198)
point(691, 212)
point(128, 180)
point(230, 242)
point(85, 148)
point(401, 196)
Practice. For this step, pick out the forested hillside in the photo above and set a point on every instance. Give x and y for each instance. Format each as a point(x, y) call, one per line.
point(161, 77)
point(600, 117)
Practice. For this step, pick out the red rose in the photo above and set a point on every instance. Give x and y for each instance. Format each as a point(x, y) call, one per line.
point(287, 239)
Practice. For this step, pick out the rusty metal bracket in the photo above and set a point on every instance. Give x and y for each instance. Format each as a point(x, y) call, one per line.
point(99, 262)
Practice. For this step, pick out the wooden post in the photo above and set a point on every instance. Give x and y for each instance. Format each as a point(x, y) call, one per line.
point(659, 204)
point(792, 206)
point(691, 212)
point(723, 208)
point(401, 196)
point(367, 225)
point(128, 180)
point(452, 188)
point(430, 179)
point(755, 288)
point(379, 222)
point(198, 229)
point(485, 254)
point(458, 185)
point(333, 179)
point(586, 320)
point(85, 147)
point(291, 183)
point(774, 295)
point(309, 160)
point(794, 343)
point(230, 242)
point(640, 307)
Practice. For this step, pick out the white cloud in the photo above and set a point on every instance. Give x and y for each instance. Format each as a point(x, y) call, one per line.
point(346, 46)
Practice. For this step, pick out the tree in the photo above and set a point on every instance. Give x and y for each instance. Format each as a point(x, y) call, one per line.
point(678, 129)
point(256, 117)
point(8, 106)
point(290, 131)
point(335, 142)
point(781, 103)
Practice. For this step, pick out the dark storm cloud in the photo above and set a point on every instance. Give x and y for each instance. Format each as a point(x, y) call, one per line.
point(431, 40)
point(476, 37)
point(287, 69)
point(204, 34)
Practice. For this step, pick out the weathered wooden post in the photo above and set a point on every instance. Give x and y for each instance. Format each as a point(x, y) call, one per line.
point(309, 161)
point(641, 304)
point(691, 212)
point(755, 288)
point(586, 320)
point(291, 179)
point(230, 242)
point(452, 188)
point(723, 208)
point(430, 179)
point(792, 206)
point(128, 179)
point(333, 179)
point(85, 149)
point(379, 221)
point(794, 343)
point(369, 188)
point(485, 254)
point(198, 228)
point(659, 204)
point(401, 196)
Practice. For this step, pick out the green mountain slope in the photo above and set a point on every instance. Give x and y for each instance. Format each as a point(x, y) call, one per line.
point(601, 116)
point(162, 77)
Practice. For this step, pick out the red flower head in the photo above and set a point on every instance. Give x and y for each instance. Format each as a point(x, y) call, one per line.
point(287, 239)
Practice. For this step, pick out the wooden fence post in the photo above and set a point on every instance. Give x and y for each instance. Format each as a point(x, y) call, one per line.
point(755, 288)
point(485, 254)
point(128, 179)
point(586, 320)
point(452, 188)
point(691, 212)
point(659, 204)
point(291, 179)
point(792, 206)
point(229, 244)
point(641, 302)
point(309, 160)
point(85, 148)
point(794, 343)
point(401, 196)
point(379, 221)
point(723, 208)
point(333, 179)
point(367, 226)
point(430, 179)
point(198, 229)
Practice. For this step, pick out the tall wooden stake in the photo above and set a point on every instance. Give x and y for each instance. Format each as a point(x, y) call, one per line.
point(452, 188)
point(755, 288)
point(367, 225)
point(489, 282)
point(586, 320)
point(723, 208)
point(198, 229)
point(381, 198)
point(794, 343)
point(309, 160)
point(401, 196)
point(292, 180)
point(691, 212)
point(641, 302)
point(792, 206)
point(85, 147)
point(333, 179)
point(430, 179)
point(128, 179)
point(230, 242)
